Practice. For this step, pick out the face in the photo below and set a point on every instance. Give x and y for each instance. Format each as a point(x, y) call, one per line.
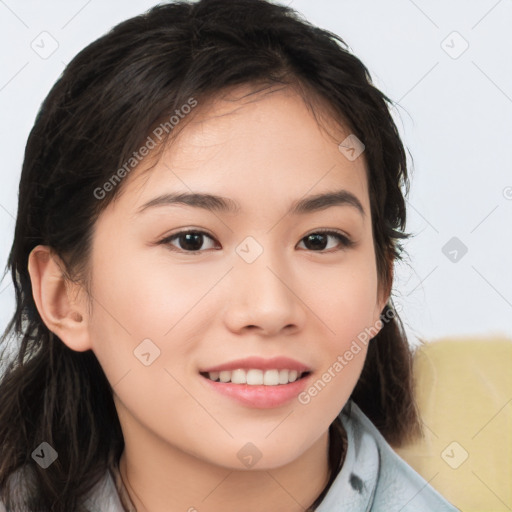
point(257, 281)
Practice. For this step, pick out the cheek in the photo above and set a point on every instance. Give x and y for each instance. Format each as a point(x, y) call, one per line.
point(144, 329)
point(344, 346)
point(344, 300)
point(139, 330)
point(343, 297)
point(139, 296)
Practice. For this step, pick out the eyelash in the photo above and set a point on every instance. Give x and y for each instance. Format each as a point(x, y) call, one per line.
point(345, 242)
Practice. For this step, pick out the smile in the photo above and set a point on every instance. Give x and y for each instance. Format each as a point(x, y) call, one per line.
point(255, 377)
point(256, 393)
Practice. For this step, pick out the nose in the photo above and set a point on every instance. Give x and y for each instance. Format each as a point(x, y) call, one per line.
point(263, 296)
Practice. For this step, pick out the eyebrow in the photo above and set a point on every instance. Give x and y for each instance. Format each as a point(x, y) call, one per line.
point(222, 204)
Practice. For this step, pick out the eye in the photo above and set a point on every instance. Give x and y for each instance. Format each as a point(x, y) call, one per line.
point(191, 241)
point(188, 241)
point(318, 240)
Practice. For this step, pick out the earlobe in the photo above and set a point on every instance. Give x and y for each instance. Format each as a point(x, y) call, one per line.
point(53, 295)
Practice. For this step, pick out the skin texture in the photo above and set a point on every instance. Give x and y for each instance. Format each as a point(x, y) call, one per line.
point(203, 309)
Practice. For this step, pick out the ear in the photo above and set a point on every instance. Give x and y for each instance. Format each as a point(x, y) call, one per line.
point(383, 294)
point(61, 304)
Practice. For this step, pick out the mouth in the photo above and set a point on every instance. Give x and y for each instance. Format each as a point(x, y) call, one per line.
point(256, 377)
point(257, 382)
point(256, 388)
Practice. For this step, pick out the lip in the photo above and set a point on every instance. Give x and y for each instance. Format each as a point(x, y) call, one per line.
point(260, 396)
point(259, 363)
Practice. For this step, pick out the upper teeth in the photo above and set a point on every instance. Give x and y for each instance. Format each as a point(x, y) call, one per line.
point(256, 377)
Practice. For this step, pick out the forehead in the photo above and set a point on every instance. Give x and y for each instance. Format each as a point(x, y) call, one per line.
point(252, 140)
point(245, 114)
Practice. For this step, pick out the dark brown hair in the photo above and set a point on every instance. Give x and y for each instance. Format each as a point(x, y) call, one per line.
point(102, 108)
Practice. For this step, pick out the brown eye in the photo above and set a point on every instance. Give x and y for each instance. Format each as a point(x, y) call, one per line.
point(188, 241)
point(318, 240)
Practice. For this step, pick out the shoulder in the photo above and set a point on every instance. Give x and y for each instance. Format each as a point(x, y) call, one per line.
point(374, 477)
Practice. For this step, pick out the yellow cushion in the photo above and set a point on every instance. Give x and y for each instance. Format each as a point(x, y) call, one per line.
point(464, 394)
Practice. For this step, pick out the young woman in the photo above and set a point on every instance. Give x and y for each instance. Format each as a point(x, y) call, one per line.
point(210, 207)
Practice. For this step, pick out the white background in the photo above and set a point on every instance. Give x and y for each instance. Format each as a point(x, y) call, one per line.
point(454, 114)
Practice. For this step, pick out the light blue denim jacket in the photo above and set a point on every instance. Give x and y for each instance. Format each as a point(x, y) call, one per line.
point(373, 478)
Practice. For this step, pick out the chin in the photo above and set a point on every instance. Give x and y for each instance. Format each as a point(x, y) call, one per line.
point(259, 455)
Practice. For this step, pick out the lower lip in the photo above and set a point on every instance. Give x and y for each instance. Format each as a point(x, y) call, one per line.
point(260, 396)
